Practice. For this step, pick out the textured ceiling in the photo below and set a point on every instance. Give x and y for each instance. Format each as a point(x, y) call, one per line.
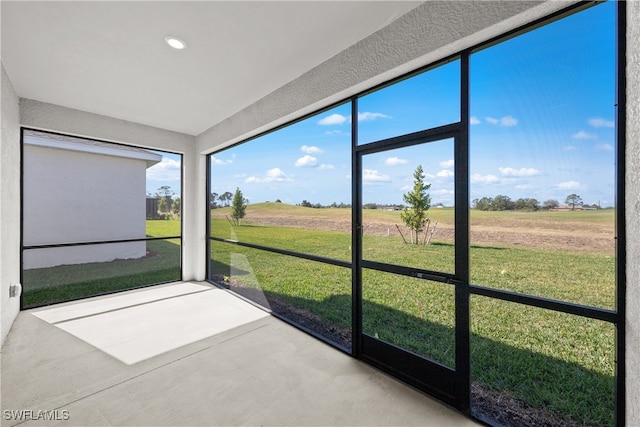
point(110, 57)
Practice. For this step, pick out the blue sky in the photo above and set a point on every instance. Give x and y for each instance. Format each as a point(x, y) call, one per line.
point(167, 172)
point(542, 125)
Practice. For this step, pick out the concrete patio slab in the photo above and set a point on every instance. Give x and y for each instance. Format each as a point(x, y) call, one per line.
point(263, 372)
point(88, 307)
point(137, 332)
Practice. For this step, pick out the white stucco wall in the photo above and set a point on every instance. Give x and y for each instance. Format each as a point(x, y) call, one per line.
point(9, 203)
point(40, 115)
point(632, 182)
point(74, 196)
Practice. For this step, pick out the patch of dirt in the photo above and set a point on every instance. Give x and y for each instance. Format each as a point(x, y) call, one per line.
point(569, 236)
point(502, 409)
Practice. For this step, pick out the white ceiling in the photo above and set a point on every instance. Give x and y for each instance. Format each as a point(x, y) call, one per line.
point(110, 57)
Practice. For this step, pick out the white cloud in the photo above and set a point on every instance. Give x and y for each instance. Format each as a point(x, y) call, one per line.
point(220, 161)
point(519, 172)
point(507, 121)
point(485, 179)
point(372, 175)
point(333, 119)
point(272, 175)
point(311, 149)
point(584, 135)
point(395, 161)
point(443, 192)
point(167, 170)
point(325, 166)
point(599, 122)
point(524, 187)
point(333, 132)
point(447, 164)
point(368, 116)
point(338, 119)
point(570, 148)
point(604, 147)
point(445, 173)
point(568, 185)
point(306, 161)
point(474, 120)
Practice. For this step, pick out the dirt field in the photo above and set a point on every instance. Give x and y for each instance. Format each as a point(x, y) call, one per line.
point(575, 236)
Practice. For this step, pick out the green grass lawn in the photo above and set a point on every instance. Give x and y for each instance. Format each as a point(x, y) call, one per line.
point(558, 362)
point(67, 282)
point(562, 363)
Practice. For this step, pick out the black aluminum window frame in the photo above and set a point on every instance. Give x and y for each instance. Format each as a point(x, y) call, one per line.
point(302, 255)
point(24, 247)
point(464, 288)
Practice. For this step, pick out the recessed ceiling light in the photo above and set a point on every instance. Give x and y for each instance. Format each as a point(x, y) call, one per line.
point(175, 42)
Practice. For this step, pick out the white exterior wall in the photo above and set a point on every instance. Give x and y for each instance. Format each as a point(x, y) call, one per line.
point(9, 203)
point(43, 116)
point(73, 196)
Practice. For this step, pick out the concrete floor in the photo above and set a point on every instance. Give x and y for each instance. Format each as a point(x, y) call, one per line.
point(239, 368)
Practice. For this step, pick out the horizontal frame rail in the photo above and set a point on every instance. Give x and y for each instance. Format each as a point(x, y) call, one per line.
point(100, 242)
point(423, 136)
point(435, 276)
point(549, 304)
point(331, 261)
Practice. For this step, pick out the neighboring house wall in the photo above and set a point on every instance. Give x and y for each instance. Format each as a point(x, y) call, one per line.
point(76, 196)
point(9, 203)
point(41, 115)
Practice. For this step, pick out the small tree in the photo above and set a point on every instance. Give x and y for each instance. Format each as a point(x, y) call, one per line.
point(573, 200)
point(176, 206)
point(415, 216)
point(238, 207)
point(225, 198)
point(483, 204)
point(212, 200)
point(550, 204)
point(164, 196)
point(502, 203)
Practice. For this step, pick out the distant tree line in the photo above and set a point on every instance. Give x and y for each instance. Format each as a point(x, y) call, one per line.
point(504, 203)
point(393, 207)
point(223, 200)
point(307, 204)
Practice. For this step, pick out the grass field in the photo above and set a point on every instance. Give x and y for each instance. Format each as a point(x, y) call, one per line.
point(558, 363)
point(67, 282)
